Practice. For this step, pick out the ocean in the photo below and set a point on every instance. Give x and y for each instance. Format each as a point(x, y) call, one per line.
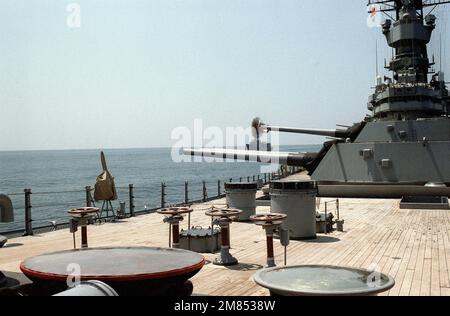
point(58, 178)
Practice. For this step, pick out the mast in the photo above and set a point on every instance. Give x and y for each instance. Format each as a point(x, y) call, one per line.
point(409, 94)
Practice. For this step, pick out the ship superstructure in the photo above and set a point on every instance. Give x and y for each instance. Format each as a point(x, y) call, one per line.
point(403, 146)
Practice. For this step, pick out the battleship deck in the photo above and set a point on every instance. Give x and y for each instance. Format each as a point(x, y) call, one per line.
point(413, 246)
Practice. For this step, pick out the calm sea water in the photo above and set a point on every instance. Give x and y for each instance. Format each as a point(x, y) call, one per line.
point(57, 178)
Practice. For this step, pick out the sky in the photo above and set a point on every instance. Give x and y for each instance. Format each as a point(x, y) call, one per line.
point(134, 70)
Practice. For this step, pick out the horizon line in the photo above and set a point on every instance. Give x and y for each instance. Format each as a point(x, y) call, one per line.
point(115, 148)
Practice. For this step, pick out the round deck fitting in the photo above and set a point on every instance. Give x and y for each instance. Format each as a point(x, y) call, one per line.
point(323, 280)
point(131, 271)
point(268, 219)
point(175, 211)
point(223, 212)
point(83, 212)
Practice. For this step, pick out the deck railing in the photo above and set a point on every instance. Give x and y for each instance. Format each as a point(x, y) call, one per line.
point(139, 200)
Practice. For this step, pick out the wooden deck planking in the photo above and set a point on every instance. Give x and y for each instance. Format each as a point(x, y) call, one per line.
point(411, 245)
point(418, 268)
point(446, 250)
point(399, 268)
point(396, 255)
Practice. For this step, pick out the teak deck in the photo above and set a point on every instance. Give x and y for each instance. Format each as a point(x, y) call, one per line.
point(413, 246)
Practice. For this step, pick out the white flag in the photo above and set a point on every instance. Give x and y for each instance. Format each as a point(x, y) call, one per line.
point(375, 18)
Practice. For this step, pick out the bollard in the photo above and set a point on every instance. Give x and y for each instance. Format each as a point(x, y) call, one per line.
point(131, 198)
point(28, 219)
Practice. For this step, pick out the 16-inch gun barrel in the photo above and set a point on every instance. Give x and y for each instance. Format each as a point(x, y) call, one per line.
point(269, 157)
point(336, 133)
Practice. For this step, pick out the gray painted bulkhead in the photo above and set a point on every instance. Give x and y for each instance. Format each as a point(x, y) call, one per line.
point(433, 129)
point(389, 159)
point(386, 163)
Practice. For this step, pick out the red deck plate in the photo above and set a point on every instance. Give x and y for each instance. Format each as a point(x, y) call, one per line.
point(114, 264)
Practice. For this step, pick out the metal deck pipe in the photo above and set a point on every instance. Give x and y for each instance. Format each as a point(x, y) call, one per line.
point(270, 253)
point(84, 238)
point(176, 234)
